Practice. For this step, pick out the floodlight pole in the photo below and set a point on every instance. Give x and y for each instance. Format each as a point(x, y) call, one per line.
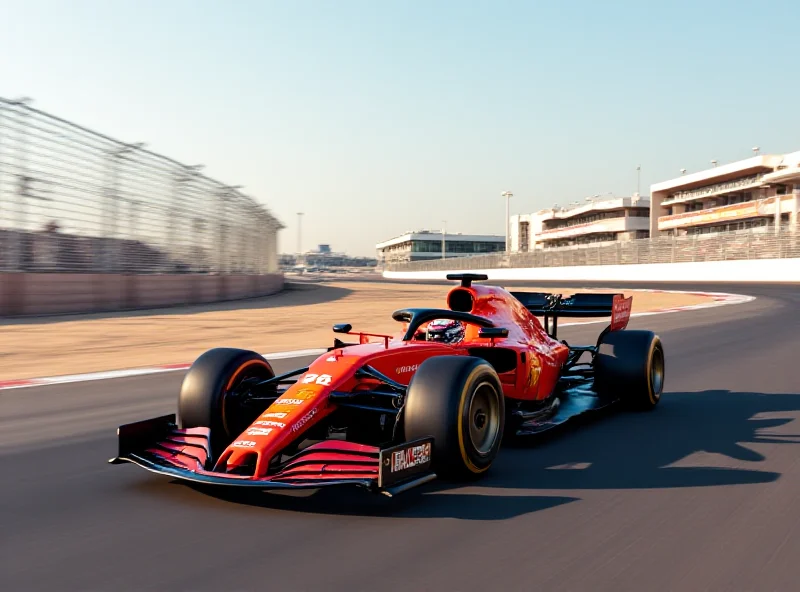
point(638, 178)
point(508, 195)
point(299, 236)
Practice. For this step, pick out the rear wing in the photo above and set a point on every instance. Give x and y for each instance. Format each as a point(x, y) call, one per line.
point(553, 306)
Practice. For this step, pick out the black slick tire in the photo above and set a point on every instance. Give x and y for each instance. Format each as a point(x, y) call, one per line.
point(459, 401)
point(629, 365)
point(206, 398)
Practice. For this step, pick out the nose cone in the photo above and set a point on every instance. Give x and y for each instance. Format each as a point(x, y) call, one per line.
point(247, 449)
point(283, 421)
point(238, 462)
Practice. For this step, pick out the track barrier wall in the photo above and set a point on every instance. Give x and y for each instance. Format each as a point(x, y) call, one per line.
point(753, 270)
point(60, 293)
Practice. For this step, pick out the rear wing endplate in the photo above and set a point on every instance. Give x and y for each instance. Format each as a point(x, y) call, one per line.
point(585, 305)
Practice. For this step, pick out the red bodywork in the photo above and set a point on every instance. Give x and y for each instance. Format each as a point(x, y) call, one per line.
point(538, 359)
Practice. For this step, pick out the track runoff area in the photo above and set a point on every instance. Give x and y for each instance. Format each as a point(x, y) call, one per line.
point(701, 494)
point(718, 299)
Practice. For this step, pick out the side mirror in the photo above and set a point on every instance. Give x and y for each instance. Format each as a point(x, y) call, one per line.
point(342, 328)
point(492, 332)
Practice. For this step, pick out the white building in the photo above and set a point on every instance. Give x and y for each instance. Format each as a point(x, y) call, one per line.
point(422, 245)
point(755, 192)
point(598, 221)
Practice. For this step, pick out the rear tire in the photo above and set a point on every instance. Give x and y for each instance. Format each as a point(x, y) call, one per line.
point(629, 365)
point(459, 401)
point(205, 399)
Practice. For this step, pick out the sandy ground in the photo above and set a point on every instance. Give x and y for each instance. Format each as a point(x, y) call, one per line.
point(298, 318)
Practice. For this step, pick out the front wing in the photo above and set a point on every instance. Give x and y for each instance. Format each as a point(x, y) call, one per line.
point(158, 445)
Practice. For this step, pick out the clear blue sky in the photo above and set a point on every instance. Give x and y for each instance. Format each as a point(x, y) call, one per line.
point(376, 117)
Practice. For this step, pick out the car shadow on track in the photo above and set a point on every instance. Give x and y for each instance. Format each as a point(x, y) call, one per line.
point(427, 502)
point(692, 439)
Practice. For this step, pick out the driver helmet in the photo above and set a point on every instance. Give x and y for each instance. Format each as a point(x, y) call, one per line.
point(445, 331)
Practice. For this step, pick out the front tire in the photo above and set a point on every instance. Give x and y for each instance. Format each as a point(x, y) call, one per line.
point(459, 401)
point(206, 398)
point(629, 365)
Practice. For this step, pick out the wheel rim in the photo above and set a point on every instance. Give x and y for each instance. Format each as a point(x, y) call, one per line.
point(484, 418)
point(657, 372)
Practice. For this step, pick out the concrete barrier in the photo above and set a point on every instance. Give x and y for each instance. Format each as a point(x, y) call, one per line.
point(60, 293)
point(751, 270)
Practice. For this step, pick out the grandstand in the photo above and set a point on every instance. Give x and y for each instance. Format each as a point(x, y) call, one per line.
point(598, 221)
point(760, 192)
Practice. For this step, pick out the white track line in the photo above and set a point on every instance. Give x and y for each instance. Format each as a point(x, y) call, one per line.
point(720, 299)
point(126, 373)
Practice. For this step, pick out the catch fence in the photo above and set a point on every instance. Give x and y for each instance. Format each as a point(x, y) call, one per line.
point(73, 200)
point(757, 243)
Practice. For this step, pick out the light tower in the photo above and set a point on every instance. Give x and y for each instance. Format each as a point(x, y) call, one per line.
point(300, 237)
point(638, 178)
point(508, 195)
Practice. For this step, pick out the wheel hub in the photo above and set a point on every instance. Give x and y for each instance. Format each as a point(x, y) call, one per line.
point(484, 418)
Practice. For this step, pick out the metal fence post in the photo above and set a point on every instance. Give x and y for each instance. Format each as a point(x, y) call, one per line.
point(2, 116)
point(178, 180)
point(23, 185)
point(182, 181)
point(222, 265)
point(197, 236)
point(249, 239)
point(109, 220)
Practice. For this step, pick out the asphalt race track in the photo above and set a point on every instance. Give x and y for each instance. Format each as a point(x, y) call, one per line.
point(701, 494)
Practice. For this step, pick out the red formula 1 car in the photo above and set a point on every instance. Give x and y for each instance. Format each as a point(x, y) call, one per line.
point(388, 413)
